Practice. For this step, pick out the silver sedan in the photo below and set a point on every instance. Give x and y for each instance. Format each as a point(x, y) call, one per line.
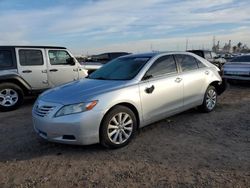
point(126, 94)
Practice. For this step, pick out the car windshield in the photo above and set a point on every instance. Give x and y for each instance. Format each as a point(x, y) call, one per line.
point(124, 68)
point(245, 58)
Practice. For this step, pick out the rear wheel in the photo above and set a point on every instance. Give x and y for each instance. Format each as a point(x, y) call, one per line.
point(210, 100)
point(11, 96)
point(118, 127)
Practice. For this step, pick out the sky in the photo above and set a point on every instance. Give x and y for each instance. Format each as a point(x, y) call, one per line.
point(97, 26)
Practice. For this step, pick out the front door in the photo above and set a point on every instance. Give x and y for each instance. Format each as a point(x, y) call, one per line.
point(32, 67)
point(60, 71)
point(162, 91)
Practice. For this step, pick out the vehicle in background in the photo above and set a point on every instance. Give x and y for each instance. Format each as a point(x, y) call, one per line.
point(96, 61)
point(226, 56)
point(25, 70)
point(210, 56)
point(126, 94)
point(237, 69)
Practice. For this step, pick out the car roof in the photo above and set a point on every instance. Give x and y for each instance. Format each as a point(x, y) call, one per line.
point(16, 46)
point(153, 54)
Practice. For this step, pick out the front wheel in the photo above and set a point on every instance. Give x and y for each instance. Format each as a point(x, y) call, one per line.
point(118, 127)
point(11, 96)
point(210, 100)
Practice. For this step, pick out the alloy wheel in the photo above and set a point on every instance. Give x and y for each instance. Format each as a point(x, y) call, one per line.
point(8, 97)
point(211, 99)
point(120, 128)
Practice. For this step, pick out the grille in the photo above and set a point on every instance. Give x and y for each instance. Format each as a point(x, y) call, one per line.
point(43, 111)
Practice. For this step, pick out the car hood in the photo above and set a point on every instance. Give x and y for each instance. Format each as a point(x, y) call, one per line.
point(80, 91)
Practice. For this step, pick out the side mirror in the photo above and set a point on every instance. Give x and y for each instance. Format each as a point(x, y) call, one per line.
point(71, 61)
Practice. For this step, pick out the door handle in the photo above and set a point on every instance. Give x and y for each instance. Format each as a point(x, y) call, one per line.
point(75, 70)
point(207, 72)
point(44, 71)
point(53, 70)
point(150, 89)
point(178, 80)
point(27, 71)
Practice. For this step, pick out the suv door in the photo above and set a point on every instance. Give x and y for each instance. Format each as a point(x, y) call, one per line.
point(194, 75)
point(60, 70)
point(161, 90)
point(32, 67)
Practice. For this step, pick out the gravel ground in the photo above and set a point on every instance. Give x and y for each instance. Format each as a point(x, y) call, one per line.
point(191, 149)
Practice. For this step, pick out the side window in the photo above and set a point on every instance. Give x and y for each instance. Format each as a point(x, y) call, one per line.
point(30, 57)
point(200, 64)
point(187, 62)
point(207, 55)
point(5, 59)
point(163, 65)
point(58, 57)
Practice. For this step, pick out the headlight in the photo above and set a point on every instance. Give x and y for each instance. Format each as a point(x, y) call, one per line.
point(76, 108)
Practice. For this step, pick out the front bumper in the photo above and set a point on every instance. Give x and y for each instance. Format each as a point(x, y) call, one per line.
point(79, 129)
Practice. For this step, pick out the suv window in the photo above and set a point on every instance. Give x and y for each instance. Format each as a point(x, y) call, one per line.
point(58, 57)
point(163, 65)
point(30, 57)
point(5, 59)
point(187, 62)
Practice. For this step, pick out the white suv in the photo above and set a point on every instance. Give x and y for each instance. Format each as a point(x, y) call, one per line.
point(32, 69)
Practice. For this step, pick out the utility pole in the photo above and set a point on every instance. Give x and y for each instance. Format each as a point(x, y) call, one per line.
point(186, 44)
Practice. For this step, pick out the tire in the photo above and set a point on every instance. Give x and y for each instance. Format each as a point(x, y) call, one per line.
point(11, 96)
point(115, 133)
point(210, 100)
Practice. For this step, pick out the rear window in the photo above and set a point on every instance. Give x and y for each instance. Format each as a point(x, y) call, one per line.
point(30, 57)
point(5, 59)
point(245, 58)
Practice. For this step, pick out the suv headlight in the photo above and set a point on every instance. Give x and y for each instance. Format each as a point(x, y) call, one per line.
point(76, 108)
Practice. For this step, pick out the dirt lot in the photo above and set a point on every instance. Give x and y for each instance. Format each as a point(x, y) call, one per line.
point(188, 150)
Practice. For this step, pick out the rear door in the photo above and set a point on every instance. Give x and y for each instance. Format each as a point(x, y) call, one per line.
point(31, 63)
point(194, 75)
point(60, 71)
point(162, 93)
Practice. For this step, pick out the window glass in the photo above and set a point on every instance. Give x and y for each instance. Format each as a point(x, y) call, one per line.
point(58, 57)
point(207, 55)
point(200, 64)
point(5, 59)
point(30, 57)
point(124, 68)
point(187, 62)
point(245, 58)
point(163, 65)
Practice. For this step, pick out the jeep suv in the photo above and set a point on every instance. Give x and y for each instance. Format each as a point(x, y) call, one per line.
point(26, 70)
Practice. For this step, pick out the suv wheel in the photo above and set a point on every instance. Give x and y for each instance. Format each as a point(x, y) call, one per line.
point(11, 96)
point(210, 100)
point(118, 127)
